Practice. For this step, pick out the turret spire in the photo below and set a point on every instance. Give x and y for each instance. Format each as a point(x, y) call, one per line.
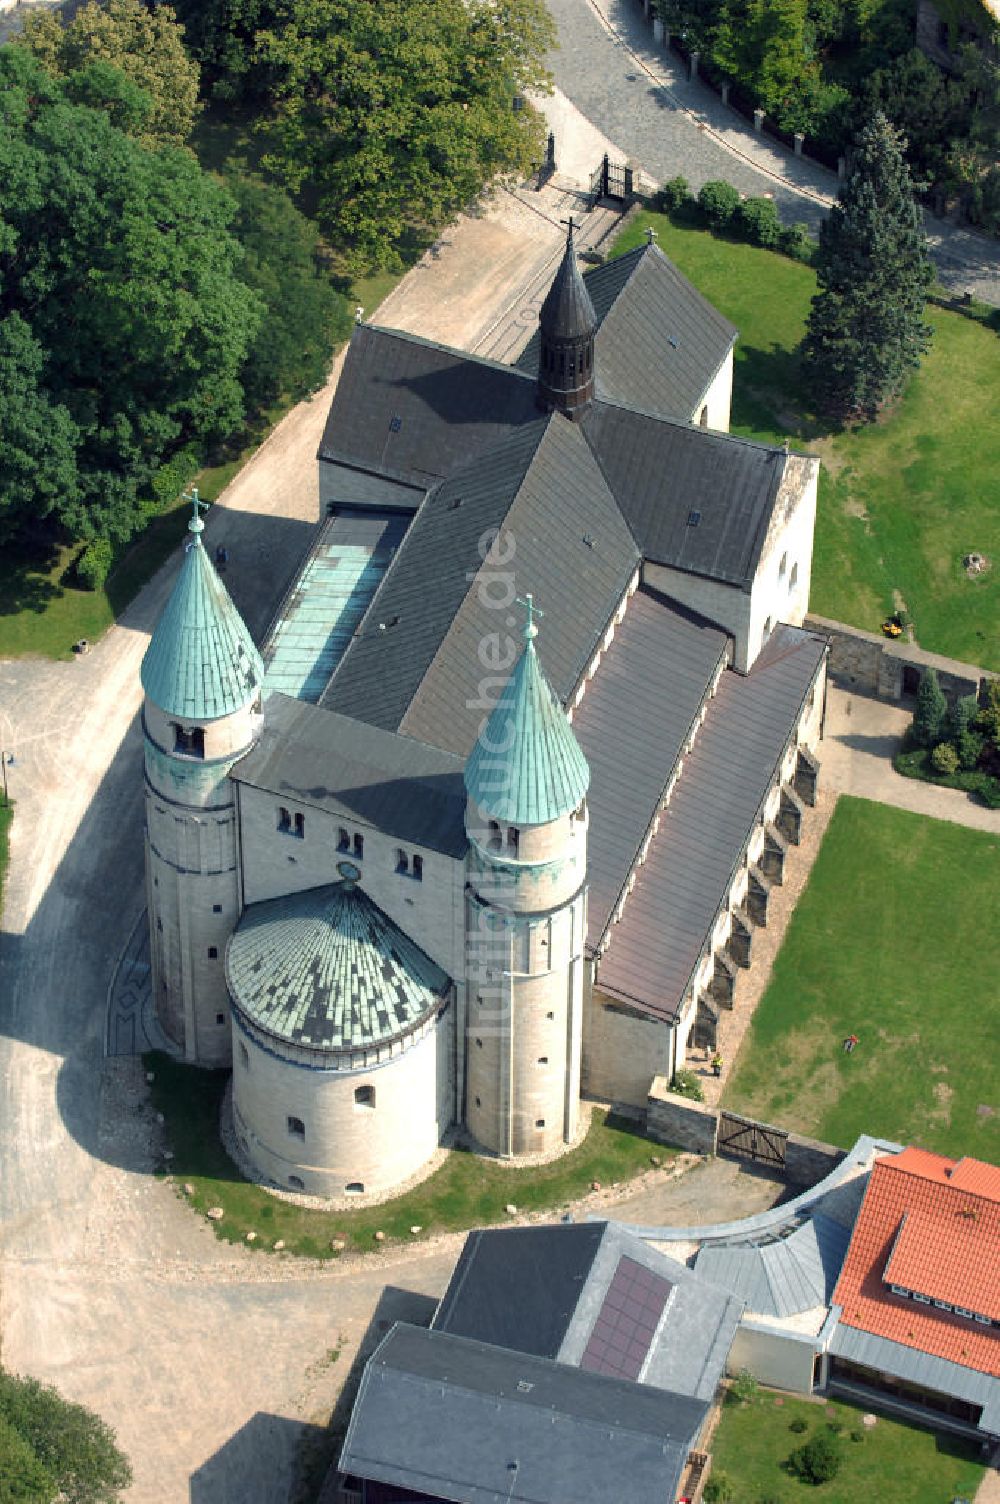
point(568, 325)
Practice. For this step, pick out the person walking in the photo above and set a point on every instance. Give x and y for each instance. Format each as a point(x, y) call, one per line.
point(716, 1064)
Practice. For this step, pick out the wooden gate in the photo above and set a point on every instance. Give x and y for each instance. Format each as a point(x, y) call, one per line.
point(742, 1138)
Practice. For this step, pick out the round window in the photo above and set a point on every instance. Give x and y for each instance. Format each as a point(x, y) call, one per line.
point(349, 872)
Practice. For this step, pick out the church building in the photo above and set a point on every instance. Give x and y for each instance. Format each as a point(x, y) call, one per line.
point(489, 819)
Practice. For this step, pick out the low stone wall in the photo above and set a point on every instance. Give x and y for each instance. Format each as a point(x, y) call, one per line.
point(684, 1124)
point(875, 665)
point(679, 1122)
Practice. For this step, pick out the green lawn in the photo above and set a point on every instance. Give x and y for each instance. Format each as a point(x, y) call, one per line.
point(465, 1192)
point(902, 502)
point(6, 816)
point(891, 1463)
point(892, 940)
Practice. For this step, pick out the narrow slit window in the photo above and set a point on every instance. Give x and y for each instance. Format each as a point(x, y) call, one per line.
point(300, 826)
point(418, 869)
point(359, 844)
point(402, 861)
point(284, 820)
point(296, 1127)
point(364, 1096)
point(513, 840)
point(343, 840)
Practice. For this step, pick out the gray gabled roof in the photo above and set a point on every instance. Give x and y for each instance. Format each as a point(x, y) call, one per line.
point(694, 499)
point(564, 540)
point(412, 409)
point(667, 918)
point(405, 788)
point(916, 1367)
point(476, 1424)
point(659, 343)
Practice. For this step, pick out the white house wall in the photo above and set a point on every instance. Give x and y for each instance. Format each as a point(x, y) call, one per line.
point(717, 402)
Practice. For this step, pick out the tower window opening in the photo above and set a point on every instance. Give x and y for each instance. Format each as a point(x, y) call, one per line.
point(703, 419)
point(793, 578)
point(543, 1060)
point(296, 1127)
point(216, 908)
point(418, 869)
point(355, 1188)
point(479, 1044)
point(159, 925)
point(402, 861)
point(300, 826)
point(189, 741)
point(343, 840)
point(244, 1056)
point(495, 842)
point(359, 844)
point(220, 1019)
point(284, 821)
point(513, 839)
point(539, 1122)
point(782, 566)
point(364, 1096)
point(213, 952)
point(296, 1182)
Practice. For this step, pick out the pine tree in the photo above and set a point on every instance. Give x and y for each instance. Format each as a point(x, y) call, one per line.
point(930, 715)
point(866, 330)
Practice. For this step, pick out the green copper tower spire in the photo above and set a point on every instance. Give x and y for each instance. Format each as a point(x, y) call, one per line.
point(201, 662)
point(526, 767)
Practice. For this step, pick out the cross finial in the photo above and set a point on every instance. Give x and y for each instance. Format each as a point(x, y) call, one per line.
point(531, 611)
point(572, 226)
point(651, 236)
point(197, 506)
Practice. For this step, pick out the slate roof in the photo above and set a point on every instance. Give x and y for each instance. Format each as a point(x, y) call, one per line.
point(526, 766)
point(667, 917)
point(465, 1421)
point(415, 410)
point(563, 539)
point(518, 1287)
point(784, 1275)
point(326, 968)
point(659, 343)
point(393, 783)
point(566, 311)
point(950, 1251)
point(695, 500)
point(201, 662)
point(551, 1291)
point(671, 656)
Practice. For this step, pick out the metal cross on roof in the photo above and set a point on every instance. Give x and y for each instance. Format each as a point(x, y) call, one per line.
point(197, 506)
point(531, 611)
point(571, 222)
point(651, 235)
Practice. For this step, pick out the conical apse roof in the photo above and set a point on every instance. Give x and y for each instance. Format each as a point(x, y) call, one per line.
point(567, 312)
point(201, 662)
point(326, 968)
point(526, 767)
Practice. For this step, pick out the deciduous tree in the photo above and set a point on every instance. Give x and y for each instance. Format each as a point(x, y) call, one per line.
point(866, 329)
point(57, 1448)
point(397, 115)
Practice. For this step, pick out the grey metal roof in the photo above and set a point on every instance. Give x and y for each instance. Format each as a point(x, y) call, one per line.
point(412, 409)
point(326, 968)
point(902, 1362)
point(518, 1287)
point(783, 1275)
point(464, 1421)
point(659, 343)
point(570, 548)
point(668, 658)
point(320, 614)
point(391, 782)
point(695, 500)
point(668, 915)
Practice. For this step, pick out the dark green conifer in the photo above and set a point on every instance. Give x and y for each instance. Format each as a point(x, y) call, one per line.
point(866, 329)
point(931, 713)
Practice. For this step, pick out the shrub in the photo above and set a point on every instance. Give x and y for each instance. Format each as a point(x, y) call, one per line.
point(988, 719)
point(94, 564)
point(675, 193)
point(970, 748)
point(745, 1386)
point(718, 202)
point(857, 1434)
point(944, 759)
point(798, 1425)
point(928, 717)
point(171, 478)
point(685, 1083)
point(794, 241)
point(961, 717)
point(719, 1489)
point(757, 219)
point(818, 1459)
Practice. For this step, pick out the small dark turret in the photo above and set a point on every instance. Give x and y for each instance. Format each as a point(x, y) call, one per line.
point(566, 354)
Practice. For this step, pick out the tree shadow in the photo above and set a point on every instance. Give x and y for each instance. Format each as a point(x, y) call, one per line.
point(26, 582)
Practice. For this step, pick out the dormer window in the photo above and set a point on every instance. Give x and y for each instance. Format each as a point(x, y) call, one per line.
point(189, 741)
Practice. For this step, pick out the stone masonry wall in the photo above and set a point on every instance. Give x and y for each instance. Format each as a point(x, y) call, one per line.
point(874, 665)
point(676, 1121)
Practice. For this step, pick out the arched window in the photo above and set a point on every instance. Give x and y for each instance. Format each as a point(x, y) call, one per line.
point(364, 1096)
point(783, 566)
point(513, 839)
point(189, 742)
point(418, 869)
point(300, 826)
point(244, 1056)
point(284, 820)
point(703, 419)
point(495, 841)
point(793, 578)
point(359, 844)
point(296, 1127)
point(343, 839)
point(402, 861)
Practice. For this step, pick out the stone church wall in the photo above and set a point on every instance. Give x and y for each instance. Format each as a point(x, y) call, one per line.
point(781, 585)
point(276, 862)
point(344, 1144)
point(718, 399)
point(622, 1051)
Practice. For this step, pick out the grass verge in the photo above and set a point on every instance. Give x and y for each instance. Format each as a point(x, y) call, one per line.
point(901, 502)
point(892, 1462)
point(889, 942)
point(6, 818)
point(465, 1192)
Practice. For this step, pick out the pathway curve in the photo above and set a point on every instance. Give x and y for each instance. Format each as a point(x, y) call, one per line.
point(639, 95)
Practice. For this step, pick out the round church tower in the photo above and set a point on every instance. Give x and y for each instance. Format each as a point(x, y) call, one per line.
point(202, 678)
point(526, 819)
point(567, 327)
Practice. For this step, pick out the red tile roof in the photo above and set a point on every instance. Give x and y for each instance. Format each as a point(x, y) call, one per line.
point(931, 1225)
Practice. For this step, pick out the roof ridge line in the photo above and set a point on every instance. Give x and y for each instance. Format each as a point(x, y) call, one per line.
point(436, 344)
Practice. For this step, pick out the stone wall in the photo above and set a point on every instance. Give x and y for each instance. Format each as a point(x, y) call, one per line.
point(808, 1161)
point(622, 1051)
point(874, 665)
point(674, 1120)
